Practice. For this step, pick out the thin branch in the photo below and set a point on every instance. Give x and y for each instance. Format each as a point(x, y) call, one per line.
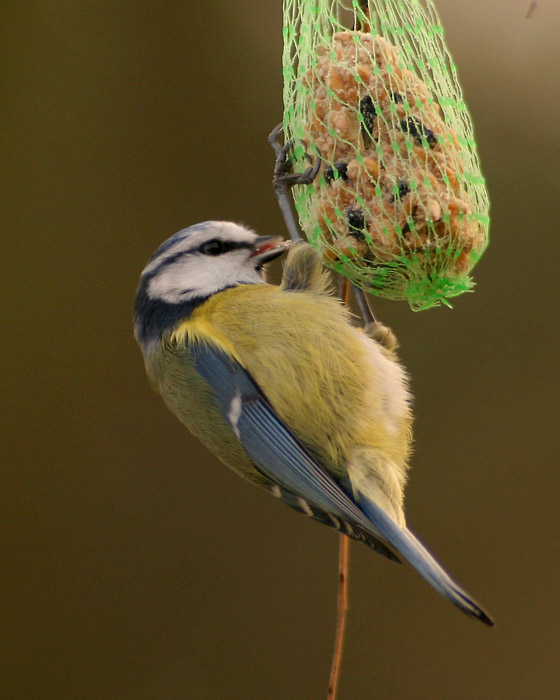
point(342, 609)
point(283, 181)
point(344, 291)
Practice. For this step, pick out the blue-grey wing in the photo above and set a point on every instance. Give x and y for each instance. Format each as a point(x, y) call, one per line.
point(297, 478)
point(304, 484)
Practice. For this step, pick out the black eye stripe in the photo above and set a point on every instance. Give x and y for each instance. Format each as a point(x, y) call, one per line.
point(228, 245)
point(213, 247)
point(218, 246)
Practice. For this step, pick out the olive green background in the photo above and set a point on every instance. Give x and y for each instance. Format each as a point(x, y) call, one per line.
point(134, 565)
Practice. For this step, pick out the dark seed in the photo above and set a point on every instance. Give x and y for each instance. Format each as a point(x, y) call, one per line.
point(397, 97)
point(341, 167)
point(356, 221)
point(404, 189)
point(430, 137)
point(418, 131)
point(368, 112)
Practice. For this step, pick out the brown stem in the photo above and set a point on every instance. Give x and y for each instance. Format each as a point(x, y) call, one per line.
point(362, 23)
point(346, 292)
point(342, 608)
point(344, 551)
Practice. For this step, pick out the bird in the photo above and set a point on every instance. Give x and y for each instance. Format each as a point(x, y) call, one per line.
point(282, 385)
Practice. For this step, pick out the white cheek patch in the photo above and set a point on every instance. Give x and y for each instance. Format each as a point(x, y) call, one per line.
point(197, 276)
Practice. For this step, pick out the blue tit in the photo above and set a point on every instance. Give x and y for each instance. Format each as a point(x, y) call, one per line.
point(280, 385)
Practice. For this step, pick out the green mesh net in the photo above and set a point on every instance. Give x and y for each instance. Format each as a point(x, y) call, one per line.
point(399, 205)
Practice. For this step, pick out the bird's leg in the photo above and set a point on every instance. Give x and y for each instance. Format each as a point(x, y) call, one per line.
point(372, 328)
point(365, 308)
point(284, 179)
point(363, 21)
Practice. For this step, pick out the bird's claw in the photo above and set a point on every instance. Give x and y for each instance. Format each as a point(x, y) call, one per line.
point(284, 178)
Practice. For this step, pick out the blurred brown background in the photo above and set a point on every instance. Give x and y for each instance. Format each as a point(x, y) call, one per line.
point(135, 566)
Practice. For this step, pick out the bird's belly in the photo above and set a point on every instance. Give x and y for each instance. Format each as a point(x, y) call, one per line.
point(172, 371)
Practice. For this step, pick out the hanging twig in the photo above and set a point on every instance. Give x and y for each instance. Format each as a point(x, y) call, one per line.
point(342, 609)
point(283, 181)
point(343, 570)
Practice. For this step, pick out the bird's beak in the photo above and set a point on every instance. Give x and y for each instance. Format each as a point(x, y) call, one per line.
point(266, 248)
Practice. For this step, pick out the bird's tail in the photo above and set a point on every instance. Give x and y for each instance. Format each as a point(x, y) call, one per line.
point(411, 549)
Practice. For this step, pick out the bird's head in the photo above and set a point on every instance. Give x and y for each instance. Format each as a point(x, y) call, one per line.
point(193, 265)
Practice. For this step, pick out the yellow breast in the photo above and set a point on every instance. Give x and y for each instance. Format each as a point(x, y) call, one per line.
point(326, 381)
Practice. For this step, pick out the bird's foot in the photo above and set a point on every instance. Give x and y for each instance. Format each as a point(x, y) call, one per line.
point(284, 178)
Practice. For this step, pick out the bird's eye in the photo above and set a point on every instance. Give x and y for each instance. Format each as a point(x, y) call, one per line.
point(213, 247)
